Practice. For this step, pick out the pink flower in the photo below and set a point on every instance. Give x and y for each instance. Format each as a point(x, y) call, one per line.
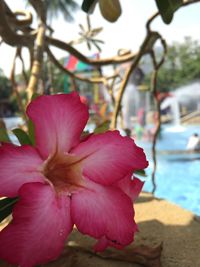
point(64, 180)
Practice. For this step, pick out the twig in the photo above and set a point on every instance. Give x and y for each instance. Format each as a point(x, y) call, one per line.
point(95, 62)
point(9, 35)
point(23, 66)
point(146, 47)
point(186, 2)
point(76, 76)
point(14, 85)
point(156, 66)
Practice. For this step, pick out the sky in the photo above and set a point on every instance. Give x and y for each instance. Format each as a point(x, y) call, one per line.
point(128, 32)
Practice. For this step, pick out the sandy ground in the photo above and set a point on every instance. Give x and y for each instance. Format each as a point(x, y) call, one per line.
point(158, 221)
point(178, 229)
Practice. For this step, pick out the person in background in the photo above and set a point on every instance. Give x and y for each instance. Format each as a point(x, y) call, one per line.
point(193, 142)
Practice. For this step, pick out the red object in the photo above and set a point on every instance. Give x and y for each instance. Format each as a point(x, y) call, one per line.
point(161, 95)
point(65, 181)
point(84, 100)
point(72, 62)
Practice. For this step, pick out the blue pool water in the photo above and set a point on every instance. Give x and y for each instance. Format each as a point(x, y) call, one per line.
point(178, 175)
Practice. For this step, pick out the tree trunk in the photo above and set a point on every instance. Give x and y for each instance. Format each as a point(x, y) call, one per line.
point(37, 61)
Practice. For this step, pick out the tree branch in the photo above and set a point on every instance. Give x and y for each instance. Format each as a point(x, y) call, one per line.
point(156, 66)
point(100, 62)
point(146, 47)
point(8, 35)
point(23, 66)
point(37, 61)
point(75, 76)
point(14, 85)
point(39, 7)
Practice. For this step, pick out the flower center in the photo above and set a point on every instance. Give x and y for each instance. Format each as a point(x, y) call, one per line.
point(64, 172)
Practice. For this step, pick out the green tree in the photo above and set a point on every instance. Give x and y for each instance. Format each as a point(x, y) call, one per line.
point(64, 7)
point(182, 65)
point(5, 86)
point(6, 94)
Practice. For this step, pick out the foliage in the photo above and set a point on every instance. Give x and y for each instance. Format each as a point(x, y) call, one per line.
point(87, 5)
point(22, 136)
point(167, 8)
point(181, 65)
point(6, 94)
point(111, 9)
point(5, 87)
point(4, 137)
point(6, 207)
point(64, 7)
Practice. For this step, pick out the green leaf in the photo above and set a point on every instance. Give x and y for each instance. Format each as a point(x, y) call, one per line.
point(34, 96)
point(110, 9)
point(22, 136)
point(141, 173)
point(102, 128)
point(88, 5)
point(167, 8)
point(31, 129)
point(6, 207)
point(85, 133)
point(4, 136)
point(31, 132)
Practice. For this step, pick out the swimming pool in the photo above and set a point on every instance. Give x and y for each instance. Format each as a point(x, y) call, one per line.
point(178, 175)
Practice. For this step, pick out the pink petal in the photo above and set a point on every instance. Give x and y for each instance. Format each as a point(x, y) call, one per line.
point(59, 121)
point(104, 212)
point(109, 157)
point(132, 187)
point(18, 165)
point(101, 244)
point(41, 223)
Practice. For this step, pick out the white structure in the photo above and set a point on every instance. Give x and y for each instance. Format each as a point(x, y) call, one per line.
point(194, 142)
point(189, 95)
point(173, 103)
point(130, 104)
